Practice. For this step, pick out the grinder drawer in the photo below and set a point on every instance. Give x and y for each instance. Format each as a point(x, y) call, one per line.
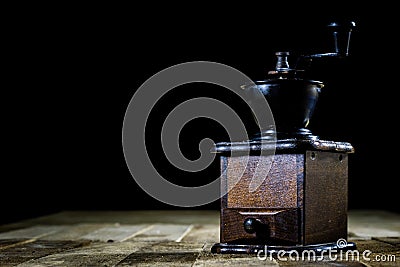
point(260, 225)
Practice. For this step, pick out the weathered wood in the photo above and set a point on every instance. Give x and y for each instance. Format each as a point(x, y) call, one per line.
point(203, 233)
point(170, 246)
point(163, 232)
point(164, 254)
point(122, 217)
point(98, 254)
point(379, 250)
point(75, 232)
point(160, 259)
point(278, 192)
point(321, 263)
point(365, 224)
point(390, 240)
point(32, 232)
point(159, 248)
point(274, 191)
point(325, 197)
point(116, 233)
point(376, 246)
point(206, 258)
point(33, 250)
point(8, 243)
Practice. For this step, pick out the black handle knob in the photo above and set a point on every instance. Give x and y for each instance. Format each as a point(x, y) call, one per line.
point(251, 225)
point(341, 36)
point(282, 63)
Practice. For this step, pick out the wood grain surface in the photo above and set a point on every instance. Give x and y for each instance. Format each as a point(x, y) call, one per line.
point(168, 238)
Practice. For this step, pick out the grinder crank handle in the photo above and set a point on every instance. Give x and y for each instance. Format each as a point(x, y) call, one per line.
point(341, 33)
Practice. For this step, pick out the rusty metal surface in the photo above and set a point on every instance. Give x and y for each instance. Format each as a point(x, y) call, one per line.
point(283, 146)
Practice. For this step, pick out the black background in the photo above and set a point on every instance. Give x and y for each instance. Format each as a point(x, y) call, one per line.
point(71, 72)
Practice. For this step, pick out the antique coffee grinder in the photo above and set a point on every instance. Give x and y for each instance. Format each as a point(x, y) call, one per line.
point(301, 203)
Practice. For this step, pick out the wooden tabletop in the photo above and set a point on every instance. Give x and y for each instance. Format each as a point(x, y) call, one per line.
point(171, 238)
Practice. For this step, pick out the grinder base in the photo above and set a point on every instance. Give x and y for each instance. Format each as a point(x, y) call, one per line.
point(318, 249)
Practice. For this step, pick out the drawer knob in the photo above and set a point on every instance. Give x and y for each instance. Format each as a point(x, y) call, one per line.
point(251, 225)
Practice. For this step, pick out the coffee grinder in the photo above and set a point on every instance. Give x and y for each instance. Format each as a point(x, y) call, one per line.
point(302, 202)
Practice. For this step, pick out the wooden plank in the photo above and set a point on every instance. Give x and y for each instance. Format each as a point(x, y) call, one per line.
point(171, 246)
point(203, 233)
point(111, 254)
point(390, 240)
point(97, 254)
point(163, 232)
point(75, 232)
point(160, 259)
point(122, 217)
point(117, 233)
point(32, 232)
point(164, 254)
point(206, 258)
point(8, 243)
point(375, 246)
point(322, 263)
point(24, 252)
point(232, 260)
point(378, 250)
point(373, 223)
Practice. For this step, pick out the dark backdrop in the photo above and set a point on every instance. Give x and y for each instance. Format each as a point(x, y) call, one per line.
point(73, 71)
